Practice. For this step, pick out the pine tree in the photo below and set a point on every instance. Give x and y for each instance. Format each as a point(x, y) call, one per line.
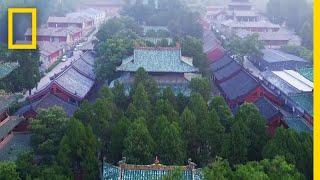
point(139, 145)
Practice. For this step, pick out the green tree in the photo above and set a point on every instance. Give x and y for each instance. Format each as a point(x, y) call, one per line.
point(47, 131)
point(120, 97)
point(139, 145)
point(119, 133)
point(250, 170)
point(150, 85)
point(8, 171)
point(168, 94)
point(199, 107)
point(170, 145)
point(192, 47)
point(201, 86)
point(110, 54)
point(218, 170)
point(140, 106)
point(296, 148)
point(249, 46)
point(279, 168)
point(211, 133)
point(223, 110)
point(190, 133)
point(236, 143)
point(163, 107)
point(306, 32)
point(257, 136)
point(78, 150)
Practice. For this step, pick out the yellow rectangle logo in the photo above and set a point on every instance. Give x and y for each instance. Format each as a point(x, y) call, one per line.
point(33, 12)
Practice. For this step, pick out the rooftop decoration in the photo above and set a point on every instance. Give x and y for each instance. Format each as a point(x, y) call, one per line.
point(157, 59)
point(154, 171)
point(6, 68)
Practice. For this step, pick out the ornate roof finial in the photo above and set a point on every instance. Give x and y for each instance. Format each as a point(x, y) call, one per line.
point(156, 161)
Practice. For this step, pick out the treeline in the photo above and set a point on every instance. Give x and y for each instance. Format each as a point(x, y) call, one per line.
point(27, 75)
point(149, 122)
point(22, 22)
point(118, 37)
point(297, 14)
point(174, 14)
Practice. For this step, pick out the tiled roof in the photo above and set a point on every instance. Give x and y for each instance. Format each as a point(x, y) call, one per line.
point(272, 55)
point(279, 83)
point(295, 80)
point(266, 108)
point(307, 73)
point(221, 63)
point(267, 36)
point(51, 100)
point(7, 100)
point(249, 24)
point(55, 19)
point(154, 28)
point(134, 172)
point(54, 32)
point(9, 125)
point(84, 67)
point(210, 42)
point(88, 57)
point(304, 100)
point(297, 124)
point(20, 142)
point(238, 85)
point(7, 67)
point(157, 60)
point(227, 70)
point(74, 82)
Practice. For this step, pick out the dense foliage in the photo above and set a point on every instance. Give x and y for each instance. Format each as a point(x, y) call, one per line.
point(171, 13)
point(249, 46)
point(299, 51)
point(301, 19)
point(27, 75)
point(22, 22)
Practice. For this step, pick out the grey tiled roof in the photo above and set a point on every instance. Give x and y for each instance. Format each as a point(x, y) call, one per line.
point(51, 100)
point(8, 126)
point(210, 41)
point(298, 124)
point(157, 60)
point(221, 63)
point(74, 82)
point(19, 143)
point(6, 68)
point(266, 108)
point(54, 32)
point(271, 55)
point(142, 172)
point(279, 83)
point(88, 57)
point(7, 100)
point(84, 67)
point(238, 85)
point(227, 70)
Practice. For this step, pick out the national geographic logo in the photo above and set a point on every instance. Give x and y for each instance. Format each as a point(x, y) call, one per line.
point(33, 12)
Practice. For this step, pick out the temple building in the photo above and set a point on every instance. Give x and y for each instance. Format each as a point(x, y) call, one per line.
point(66, 89)
point(165, 65)
point(126, 171)
point(11, 129)
point(68, 35)
point(240, 5)
point(212, 46)
point(275, 60)
point(294, 89)
point(238, 86)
